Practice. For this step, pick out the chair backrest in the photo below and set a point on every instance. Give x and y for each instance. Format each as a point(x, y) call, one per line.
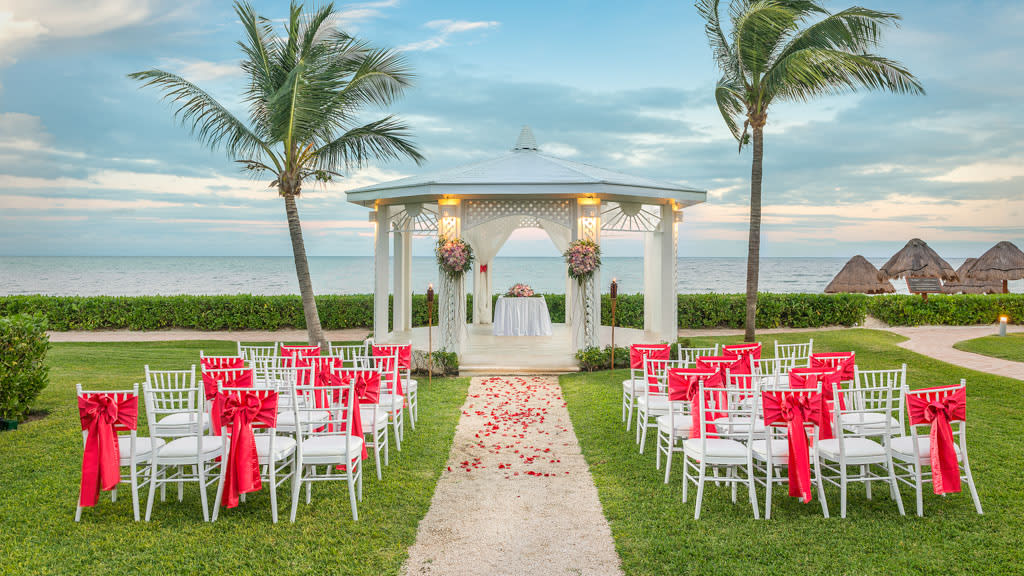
point(690, 355)
point(353, 354)
point(403, 353)
point(730, 411)
point(864, 404)
point(336, 401)
point(387, 365)
point(283, 379)
point(895, 381)
point(214, 362)
point(776, 426)
point(168, 392)
point(639, 353)
point(257, 353)
point(958, 422)
point(262, 391)
point(119, 396)
point(656, 376)
point(799, 353)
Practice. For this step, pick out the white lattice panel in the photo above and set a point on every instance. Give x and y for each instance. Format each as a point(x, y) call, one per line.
point(477, 212)
point(420, 218)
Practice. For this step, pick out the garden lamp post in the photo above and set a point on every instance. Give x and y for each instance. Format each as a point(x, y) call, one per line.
point(1003, 319)
point(614, 292)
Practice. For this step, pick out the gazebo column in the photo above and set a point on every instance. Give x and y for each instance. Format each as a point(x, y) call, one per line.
point(652, 275)
point(586, 307)
point(380, 273)
point(667, 325)
point(402, 304)
point(452, 307)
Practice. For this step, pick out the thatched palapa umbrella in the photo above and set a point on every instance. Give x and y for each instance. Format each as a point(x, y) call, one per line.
point(859, 276)
point(1004, 261)
point(968, 285)
point(917, 260)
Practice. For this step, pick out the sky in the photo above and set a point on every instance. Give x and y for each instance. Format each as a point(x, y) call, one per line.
point(92, 165)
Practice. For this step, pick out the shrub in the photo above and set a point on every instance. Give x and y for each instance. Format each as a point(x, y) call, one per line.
point(23, 372)
point(952, 310)
point(594, 358)
point(773, 310)
point(445, 363)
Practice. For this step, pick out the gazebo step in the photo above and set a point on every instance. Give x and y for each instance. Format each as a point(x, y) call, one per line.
point(494, 370)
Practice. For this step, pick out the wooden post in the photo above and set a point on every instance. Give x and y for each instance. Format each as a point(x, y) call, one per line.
point(614, 292)
point(430, 335)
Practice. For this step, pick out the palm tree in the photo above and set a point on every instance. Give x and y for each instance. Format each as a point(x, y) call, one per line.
point(791, 50)
point(306, 90)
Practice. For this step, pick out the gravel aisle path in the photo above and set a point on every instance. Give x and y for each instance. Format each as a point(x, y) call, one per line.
point(517, 497)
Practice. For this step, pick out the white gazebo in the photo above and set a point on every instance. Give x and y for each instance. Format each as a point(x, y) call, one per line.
point(485, 202)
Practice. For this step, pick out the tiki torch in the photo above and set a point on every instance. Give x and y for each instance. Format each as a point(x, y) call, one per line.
point(614, 296)
point(430, 333)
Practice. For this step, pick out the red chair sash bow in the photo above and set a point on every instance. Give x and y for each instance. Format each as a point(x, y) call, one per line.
point(101, 416)
point(639, 353)
point(795, 411)
point(811, 377)
point(242, 410)
point(842, 361)
point(750, 350)
point(939, 412)
point(683, 385)
point(736, 364)
point(383, 353)
point(233, 379)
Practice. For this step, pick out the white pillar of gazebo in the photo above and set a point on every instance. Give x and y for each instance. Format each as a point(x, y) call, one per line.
point(586, 306)
point(402, 302)
point(380, 272)
point(661, 315)
point(452, 307)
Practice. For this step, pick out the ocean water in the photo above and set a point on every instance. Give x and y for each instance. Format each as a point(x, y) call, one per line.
point(135, 276)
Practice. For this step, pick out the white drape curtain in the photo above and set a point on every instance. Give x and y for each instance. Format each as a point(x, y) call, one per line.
point(561, 236)
point(487, 240)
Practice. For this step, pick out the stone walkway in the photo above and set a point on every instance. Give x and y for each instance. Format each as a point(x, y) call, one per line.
point(937, 342)
point(517, 496)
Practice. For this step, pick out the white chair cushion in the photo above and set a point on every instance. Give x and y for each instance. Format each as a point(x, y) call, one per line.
point(659, 404)
point(780, 449)
point(183, 420)
point(386, 402)
point(283, 445)
point(410, 385)
point(286, 420)
point(903, 447)
point(185, 447)
point(143, 447)
point(331, 446)
point(870, 422)
point(716, 448)
point(738, 425)
point(683, 424)
point(856, 447)
point(636, 385)
point(366, 414)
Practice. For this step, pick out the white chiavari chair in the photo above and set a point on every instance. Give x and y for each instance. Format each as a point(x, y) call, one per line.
point(633, 387)
point(133, 451)
point(391, 402)
point(329, 445)
point(653, 401)
point(689, 355)
point(257, 354)
point(190, 454)
point(798, 354)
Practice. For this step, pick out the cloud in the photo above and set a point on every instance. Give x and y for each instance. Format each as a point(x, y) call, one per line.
point(24, 135)
point(38, 203)
point(199, 71)
point(559, 149)
point(352, 15)
point(984, 171)
point(21, 23)
point(446, 28)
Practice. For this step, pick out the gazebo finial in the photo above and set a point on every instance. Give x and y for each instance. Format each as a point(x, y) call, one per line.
point(526, 140)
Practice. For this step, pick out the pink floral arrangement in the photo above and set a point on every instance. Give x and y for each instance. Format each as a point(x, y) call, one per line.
point(520, 291)
point(583, 258)
point(454, 256)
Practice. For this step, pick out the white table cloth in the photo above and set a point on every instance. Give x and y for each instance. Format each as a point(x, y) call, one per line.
point(522, 317)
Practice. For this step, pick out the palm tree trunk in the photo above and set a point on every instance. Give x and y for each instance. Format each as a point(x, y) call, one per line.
point(754, 241)
point(316, 333)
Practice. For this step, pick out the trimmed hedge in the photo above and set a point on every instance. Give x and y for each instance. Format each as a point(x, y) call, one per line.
point(246, 312)
point(23, 371)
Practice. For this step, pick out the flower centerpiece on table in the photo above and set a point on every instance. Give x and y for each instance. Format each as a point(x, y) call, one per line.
point(520, 291)
point(583, 258)
point(454, 256)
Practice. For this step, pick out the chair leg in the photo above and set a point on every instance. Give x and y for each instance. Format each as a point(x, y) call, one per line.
point(865, 471)
point(686, 475)
point(309, 484)
point(220, 492)
point(376, 456)
point(297, 469)
point(668, 458)
point(629, 414)
point(895, 486)
point(700, 491)
point(641, 426)
point(970, 483)
point(769, 480)
point(273, 490)
point(113, 494)
point(202, 490)
point(751, 489)
point(78, 513)
point(624, 400)
point(842, 491)
point(657, 451)
point(396, 427)
point(352, 492)
point(134, 479)
point(359, 478)
point(821, 485)
point(154, 479)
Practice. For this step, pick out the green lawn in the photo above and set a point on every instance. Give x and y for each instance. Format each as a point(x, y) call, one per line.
point(39, 472)
point(1009, 347)
point(655, 532)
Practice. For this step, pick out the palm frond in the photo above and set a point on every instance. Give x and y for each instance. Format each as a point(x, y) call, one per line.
point(720, 48)
point(387, 139)
point(812, 72)
point(207, 118)
point(259, 51)
point(757, 30)
point(856, 30)
point(729, 97)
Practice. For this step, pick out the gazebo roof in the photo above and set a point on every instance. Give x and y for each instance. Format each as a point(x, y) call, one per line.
point(525, 172)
